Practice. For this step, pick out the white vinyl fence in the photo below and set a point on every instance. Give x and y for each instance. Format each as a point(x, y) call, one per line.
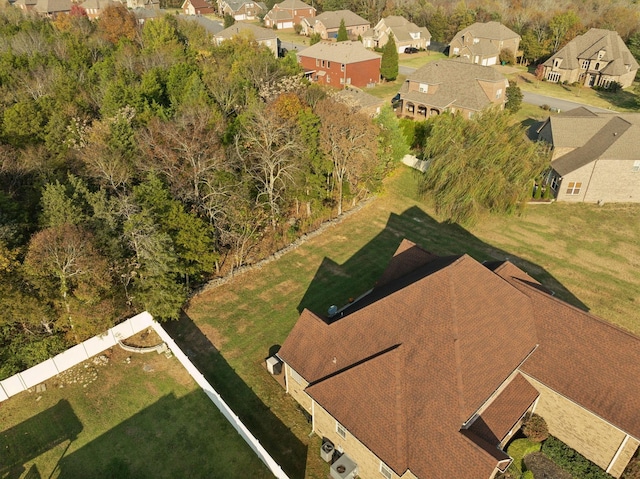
point(89, 348)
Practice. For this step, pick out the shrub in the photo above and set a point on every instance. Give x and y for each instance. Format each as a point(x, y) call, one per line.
point(297, 28)
point(517, 450)
point(535, 427)
point(528, 475)
point(507, 56)
point(632, 471)
point(572, 461)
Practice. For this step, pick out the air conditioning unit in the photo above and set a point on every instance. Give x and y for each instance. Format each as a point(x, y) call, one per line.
point(326, 451)
point(344, 468)
point(274, 365)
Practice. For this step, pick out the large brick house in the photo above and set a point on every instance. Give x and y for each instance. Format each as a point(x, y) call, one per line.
point(596, 156)
point(328, 23)
point(406, 34)
point(288, 14)
point(482, 43)
point(197, 7)
point(454, 86)
point(596, 58)
point(430, 373)
point(339, 64)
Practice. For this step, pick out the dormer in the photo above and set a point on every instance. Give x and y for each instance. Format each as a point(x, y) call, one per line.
point(557, 62)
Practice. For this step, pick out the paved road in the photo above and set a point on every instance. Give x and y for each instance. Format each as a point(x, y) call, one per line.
point(290, 46)
point(562, 105)
point(534, 98)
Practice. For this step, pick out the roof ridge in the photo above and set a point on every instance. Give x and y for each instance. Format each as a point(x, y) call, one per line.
point(575, 308)
point(456, 342)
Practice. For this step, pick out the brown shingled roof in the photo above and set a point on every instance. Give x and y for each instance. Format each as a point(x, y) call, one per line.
point(449, 333)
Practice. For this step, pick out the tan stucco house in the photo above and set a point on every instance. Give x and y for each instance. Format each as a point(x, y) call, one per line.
point(453, 86)
point(430, 373)
point(596, 156)
point(596, 58)
point(482, 43)
point(406, 34)
point(328, 23)
point(288, 14)
point(263, 36)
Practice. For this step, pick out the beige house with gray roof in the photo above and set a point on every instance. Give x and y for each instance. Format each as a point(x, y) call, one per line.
point(288, 13)
point(454, 86)
point(328, 23)
point(52, 8)
point(406, 34)
point(481, 43)
point(596, 156)
point(264, 36)
point(596, 58)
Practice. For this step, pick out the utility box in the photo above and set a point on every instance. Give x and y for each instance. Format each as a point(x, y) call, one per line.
point(326, 451)
point(274, 365)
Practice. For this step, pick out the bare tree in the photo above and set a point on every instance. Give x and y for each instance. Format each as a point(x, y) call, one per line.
point(350, 141)
point(269, 146)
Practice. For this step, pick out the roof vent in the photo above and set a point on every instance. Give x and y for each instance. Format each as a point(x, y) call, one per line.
point(333, 310)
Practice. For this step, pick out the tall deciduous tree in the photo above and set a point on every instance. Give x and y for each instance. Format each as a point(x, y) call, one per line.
point(117, 23)
point(481, 165)
point(349, 140)
point(389, 62)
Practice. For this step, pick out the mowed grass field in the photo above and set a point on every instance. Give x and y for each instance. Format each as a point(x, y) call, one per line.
point(588, 255)
point(140, 419)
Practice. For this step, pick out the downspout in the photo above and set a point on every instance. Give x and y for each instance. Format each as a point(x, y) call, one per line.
point(595, 163)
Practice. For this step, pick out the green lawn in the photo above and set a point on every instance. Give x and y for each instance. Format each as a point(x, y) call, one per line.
point(588, 255)
point(416, 60)
point(143, 419)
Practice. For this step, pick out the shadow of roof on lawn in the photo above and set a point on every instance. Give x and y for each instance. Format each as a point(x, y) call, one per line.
point(338, 284)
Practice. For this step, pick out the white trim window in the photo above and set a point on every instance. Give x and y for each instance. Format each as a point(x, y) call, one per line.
point(385, 470)
point(636, 166)
point(423, 88)
point(553, 77)
point(585, 64)
point(341, 430)
point(498, 93)
point(573, 188)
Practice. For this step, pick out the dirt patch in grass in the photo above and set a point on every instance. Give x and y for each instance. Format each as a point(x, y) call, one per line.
point(214, 336)
point(544, 468)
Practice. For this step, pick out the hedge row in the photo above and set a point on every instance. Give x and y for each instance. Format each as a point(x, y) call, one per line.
point(571, 461)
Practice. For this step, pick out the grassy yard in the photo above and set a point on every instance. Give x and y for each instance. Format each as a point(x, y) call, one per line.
point(588, 255)
point(145, 419)
point(416, 60)
point(387, 89)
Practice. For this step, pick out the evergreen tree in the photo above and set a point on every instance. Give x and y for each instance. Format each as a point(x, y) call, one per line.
point(314, 38)
point(514, 98)
point(389, 64)
point(342, 32)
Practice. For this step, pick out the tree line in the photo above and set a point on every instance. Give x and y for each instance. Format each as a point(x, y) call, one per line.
point(136, 162)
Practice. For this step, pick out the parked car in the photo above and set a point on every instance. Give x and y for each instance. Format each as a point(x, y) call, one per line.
point(411, 50)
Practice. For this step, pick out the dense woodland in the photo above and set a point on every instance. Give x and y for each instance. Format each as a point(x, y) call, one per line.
point(138, 162)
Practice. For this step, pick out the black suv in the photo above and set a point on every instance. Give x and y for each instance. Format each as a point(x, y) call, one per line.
point(411, 50)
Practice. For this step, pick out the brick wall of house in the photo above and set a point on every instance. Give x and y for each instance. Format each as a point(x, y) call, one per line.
point(580, 429)
point(358, 74)
point(296, 387)
point(491, 90)
point(368, 463)
point(603, 180)
point(299, 14)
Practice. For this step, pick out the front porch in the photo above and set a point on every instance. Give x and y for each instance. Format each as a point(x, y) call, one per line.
point(416, 110)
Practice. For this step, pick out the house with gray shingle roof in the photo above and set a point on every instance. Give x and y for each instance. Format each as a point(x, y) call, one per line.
point(482, 43)
point(263, 36)
point(25, 5)
point(429, 374)
point(340, 64)
point(596, 58)
point(52, 8)
point(288, 14)
point(453, 86)
point(406, 34)
point(328, 23)
point(596, 156)
point(241, 10)
point(94, 8)
point(197, 7)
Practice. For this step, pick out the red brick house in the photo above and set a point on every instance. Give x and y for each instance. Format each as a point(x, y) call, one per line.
point(429, 374)
point(339, 64)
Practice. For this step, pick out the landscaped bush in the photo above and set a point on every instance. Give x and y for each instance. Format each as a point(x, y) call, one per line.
point(535, 428)
point(632, 470)
point(571, 461)
point(517, 450)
